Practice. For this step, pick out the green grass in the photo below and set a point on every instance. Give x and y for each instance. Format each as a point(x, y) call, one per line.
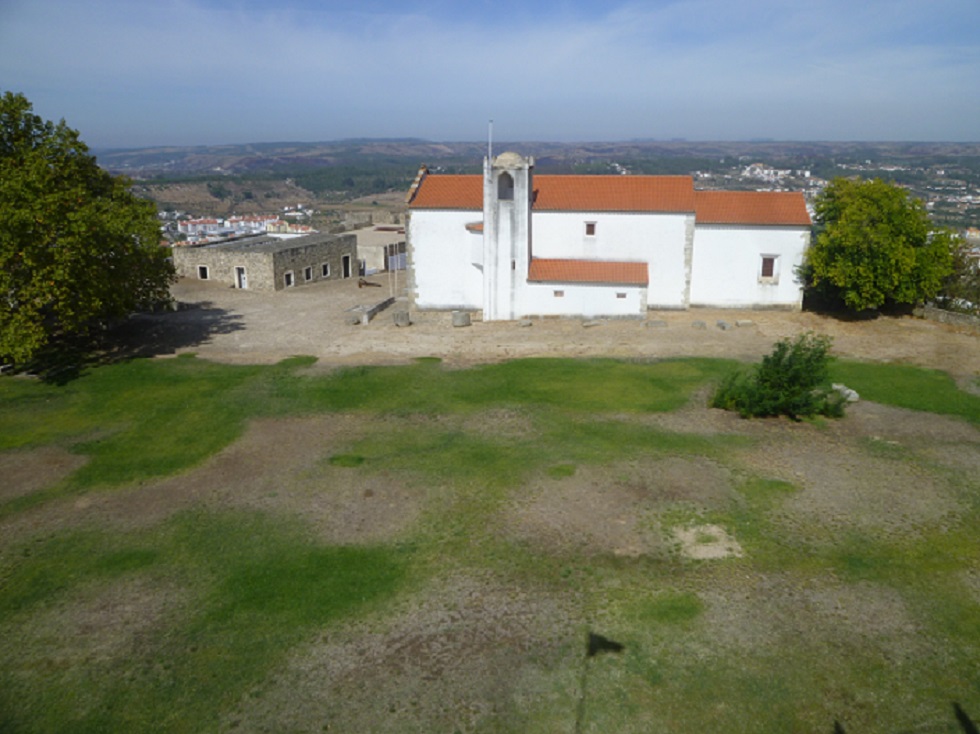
point(909, 387)
point(250, 589)
point(257, 586)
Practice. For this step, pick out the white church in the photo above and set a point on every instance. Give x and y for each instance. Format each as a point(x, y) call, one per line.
point(515, 245)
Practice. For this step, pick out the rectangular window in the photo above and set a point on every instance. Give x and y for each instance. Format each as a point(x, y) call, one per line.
point(202, 272)
point(308, 274)
point(287, 278)
point(590, 229)
point(767, 273)
point(559, 294)
point(620, 295)
point(325, 270)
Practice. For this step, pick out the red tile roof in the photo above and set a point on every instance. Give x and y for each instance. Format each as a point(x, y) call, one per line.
point(614, 193)
point(566, 193)
point(624, 194)
point(446, 191)
point(751, 207)
point(587, 271)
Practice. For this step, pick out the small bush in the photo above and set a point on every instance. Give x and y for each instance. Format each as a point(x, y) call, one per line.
point(792, 381)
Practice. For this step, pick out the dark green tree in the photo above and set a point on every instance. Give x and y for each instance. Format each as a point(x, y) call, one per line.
point(77, 247)
point(792, 380)
point(873, 246)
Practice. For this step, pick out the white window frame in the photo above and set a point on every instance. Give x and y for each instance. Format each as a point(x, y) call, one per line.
point(325, 270)
point(203, 272)
point(769, 279)
point(308, 273)
point(288, 279)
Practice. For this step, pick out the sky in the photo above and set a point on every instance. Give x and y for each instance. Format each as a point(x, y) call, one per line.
point(136, 73)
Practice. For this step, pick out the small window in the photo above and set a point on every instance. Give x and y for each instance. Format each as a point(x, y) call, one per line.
point(202, 272)
point(325, 270)
point(505, 187)
point(620, 295)
point(767, 273)
point(288, 278)
point(590, 229)
point(308, 273)
point(559, 294)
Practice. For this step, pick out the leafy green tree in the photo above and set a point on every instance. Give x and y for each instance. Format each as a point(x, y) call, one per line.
point(873, 247)
point(77, 247)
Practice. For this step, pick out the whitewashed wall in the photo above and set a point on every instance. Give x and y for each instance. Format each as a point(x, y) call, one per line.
point(657, 239)
point(589, 301)
point(441, 252)
point(727, 266)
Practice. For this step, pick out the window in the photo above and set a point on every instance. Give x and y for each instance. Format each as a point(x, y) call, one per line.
point(590, 229)
point(505, 187)
point(202, 272)
point(308, 273)
point(559, 294)
point(620, 295)
point(768, 272)
point(325, 270)
point(287, 278)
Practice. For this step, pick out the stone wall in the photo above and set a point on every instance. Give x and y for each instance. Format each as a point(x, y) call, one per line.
point(949, 317)
point(317, 251)
point(221, 263)
point(266, 260)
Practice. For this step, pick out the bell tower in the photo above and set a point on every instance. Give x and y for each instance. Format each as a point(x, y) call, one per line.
point(507, 197)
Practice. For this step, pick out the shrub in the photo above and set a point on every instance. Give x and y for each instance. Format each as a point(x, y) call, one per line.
point(792, 381)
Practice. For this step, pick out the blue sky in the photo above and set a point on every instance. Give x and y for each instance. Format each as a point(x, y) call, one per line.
point(186, 72)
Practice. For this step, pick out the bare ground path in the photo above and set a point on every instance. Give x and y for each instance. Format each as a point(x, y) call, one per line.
point(228, 325)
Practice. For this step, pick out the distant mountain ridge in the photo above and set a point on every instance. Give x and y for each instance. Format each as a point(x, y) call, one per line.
point(251, 158)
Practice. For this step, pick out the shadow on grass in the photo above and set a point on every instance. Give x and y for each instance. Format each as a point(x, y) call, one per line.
point(140, 335)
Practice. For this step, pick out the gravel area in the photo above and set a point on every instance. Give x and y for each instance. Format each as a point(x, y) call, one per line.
point(229, 325)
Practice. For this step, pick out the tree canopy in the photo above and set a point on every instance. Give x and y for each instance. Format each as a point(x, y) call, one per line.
point(77, 247)
point(874, 247)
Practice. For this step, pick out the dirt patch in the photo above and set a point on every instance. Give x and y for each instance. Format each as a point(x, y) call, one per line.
point(279, 465)
point(101, 625)
point(468, 653)
point(706, 542)
point(767, 613)
point(613, 509)
point(842, 487)
point(866, 471)
point(29, 470)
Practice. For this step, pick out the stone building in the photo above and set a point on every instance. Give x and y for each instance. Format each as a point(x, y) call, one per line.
point(267, 263)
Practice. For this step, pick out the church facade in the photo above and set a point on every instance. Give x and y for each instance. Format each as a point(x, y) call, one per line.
point(512, 245)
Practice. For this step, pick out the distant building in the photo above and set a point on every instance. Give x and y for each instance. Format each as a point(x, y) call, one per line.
point(265, 263)
point(512, 244)
point(381, 248)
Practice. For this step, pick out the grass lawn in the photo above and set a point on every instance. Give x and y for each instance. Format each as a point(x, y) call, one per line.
point(524, 504)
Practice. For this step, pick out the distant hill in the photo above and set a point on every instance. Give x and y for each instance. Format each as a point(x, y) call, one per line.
point(407, 154)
